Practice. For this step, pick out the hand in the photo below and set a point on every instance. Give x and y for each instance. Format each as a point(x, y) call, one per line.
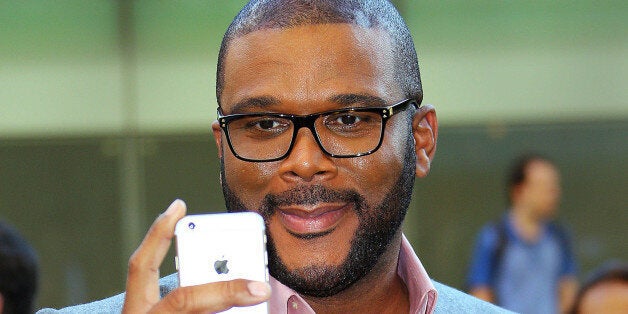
point(142, 287)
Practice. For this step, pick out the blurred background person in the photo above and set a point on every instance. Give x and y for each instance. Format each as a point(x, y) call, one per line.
point(604, 291)
point(18, 272)
point(524, 261)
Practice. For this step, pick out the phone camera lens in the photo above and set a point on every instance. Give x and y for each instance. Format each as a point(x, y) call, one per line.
point(191, 225)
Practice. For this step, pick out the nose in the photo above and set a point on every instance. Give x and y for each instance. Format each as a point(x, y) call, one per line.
point(307, 162)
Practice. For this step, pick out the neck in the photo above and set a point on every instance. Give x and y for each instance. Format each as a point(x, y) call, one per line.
point(380, 291)
point(526, 225)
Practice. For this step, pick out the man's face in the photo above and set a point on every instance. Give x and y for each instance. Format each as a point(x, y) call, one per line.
point(328, 219)
point(541, 189)
point(606, 297)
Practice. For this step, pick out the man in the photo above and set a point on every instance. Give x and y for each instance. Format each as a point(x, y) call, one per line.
point(524, 262)
point(18, 272)
point(320, 131)
point(604, 291)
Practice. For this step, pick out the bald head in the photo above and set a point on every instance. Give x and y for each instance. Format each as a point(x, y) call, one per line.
point(381, 14)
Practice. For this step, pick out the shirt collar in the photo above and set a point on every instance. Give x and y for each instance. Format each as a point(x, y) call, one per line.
point(420, 288)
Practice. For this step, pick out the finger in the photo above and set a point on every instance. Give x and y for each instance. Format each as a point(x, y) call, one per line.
point(214, 297)
point(142, 287)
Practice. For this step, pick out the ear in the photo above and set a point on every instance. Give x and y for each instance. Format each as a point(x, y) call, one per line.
point(425, 133)
point(515, 193)
point(217, 137)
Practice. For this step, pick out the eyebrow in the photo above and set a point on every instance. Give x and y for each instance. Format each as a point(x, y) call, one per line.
point(363, 100)
point(256, 104)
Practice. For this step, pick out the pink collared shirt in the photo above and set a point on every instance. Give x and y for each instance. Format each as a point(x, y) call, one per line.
point(420, 288)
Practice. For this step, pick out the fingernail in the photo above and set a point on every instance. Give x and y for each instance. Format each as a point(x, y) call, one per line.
point(258, 288)
point(171, 209)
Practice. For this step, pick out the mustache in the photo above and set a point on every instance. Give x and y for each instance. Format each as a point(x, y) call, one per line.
point(310, 195)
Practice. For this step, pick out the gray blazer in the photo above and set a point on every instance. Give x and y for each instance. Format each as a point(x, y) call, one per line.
point(449, 300)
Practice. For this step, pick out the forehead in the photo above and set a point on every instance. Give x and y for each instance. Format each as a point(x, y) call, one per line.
point(606, 296)
point(310, 63)
point(540, 169)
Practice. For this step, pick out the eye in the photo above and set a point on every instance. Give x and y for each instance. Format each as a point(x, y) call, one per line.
point(267, 124)
point(348, 119)
point(345, 119)
point(352, 123)
point(351, 119)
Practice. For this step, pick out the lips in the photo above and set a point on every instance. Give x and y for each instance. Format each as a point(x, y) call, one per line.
point(311, 222)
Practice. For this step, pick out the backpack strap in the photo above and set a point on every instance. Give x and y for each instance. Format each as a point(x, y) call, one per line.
point(500, 247)
point(563, 240)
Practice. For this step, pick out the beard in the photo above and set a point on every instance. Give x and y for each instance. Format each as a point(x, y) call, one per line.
point(378, 225)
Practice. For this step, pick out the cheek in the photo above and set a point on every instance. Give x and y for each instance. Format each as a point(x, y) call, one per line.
point(377, 172)
point(388, 160)
point(248, 179)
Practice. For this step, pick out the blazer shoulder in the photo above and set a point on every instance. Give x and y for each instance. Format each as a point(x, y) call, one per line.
point(114, 303)
point(451, 300)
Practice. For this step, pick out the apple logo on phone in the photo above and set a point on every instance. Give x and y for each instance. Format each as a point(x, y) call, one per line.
point(221, 266)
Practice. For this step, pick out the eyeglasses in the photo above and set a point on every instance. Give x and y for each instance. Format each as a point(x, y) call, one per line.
point(352, 132)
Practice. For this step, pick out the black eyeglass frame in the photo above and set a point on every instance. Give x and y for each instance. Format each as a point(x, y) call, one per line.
point(307, 121)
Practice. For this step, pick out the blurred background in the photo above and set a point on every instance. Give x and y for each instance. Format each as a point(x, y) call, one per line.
point(105, 112)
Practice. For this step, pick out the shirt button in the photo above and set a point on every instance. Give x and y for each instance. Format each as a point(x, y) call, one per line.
point(293, 304)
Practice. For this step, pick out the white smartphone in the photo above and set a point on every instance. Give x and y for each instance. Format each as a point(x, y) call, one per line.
point(221, 247)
